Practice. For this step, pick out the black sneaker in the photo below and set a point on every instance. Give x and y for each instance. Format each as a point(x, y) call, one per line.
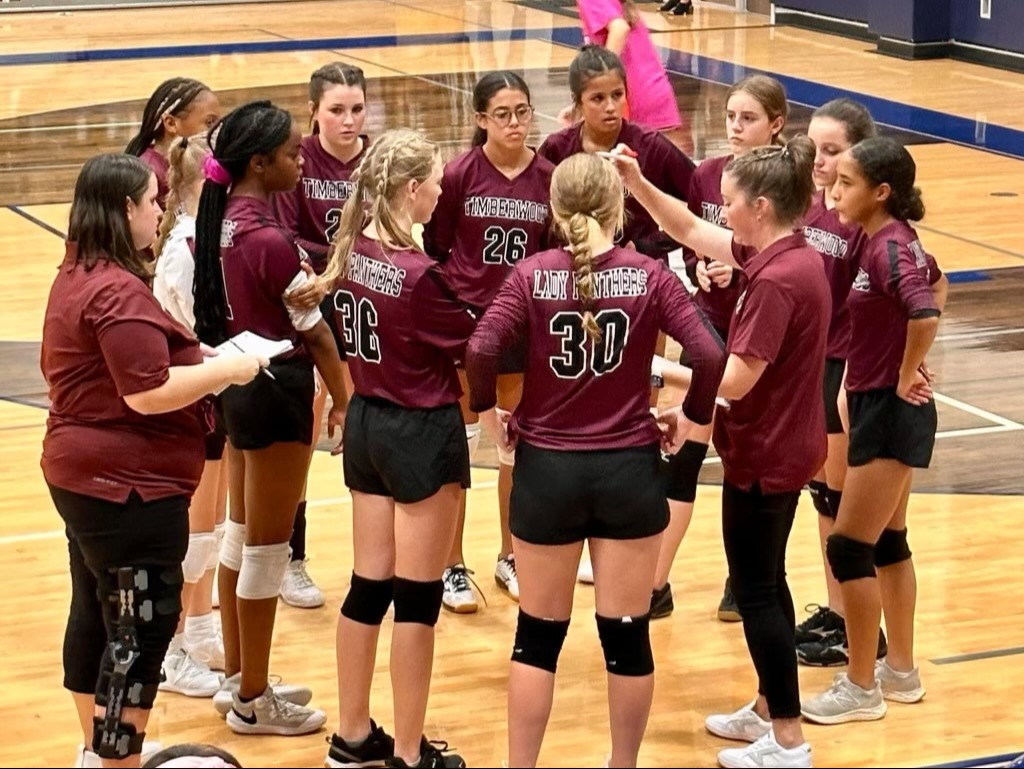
point(433, 755)
point(728, 611)
point(377, 750)
point(684, 9)
point(661, 602)
point(883, 645)
point(818, 625)
point(829, 651)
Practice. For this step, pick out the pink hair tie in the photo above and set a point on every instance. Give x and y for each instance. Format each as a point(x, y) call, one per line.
point(215, 172)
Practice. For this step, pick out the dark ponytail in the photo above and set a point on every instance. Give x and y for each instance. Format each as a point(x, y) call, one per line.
point(592, 61)
point(885, 161)
point(172, 97)
point(485, 89)
point(257, 128)
point(336, 73)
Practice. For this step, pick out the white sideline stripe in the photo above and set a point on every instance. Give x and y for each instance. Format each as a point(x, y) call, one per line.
point(979, 334)
point(978, 412)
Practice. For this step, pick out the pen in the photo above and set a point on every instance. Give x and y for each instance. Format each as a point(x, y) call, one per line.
point(262, 368)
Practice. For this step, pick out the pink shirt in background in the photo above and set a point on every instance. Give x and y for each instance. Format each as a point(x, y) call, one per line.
point(652, 102)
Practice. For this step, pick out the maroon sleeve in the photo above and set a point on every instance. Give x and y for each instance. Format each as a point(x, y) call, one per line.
point(906, 283)
point(442, 321)
point(549, 149)
point(683, 321)
point(693, 203)
point(439, 234)
point(130, 333)
point(278, 259)
point(504, 324)
point(677, 169)
point(934, 271)
point(761, 323)
point(286, 210)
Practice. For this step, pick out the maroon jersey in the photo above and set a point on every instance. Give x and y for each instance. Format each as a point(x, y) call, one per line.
point(104, 337)
point(840, 247)
point(705, 201)
point(260, 261)
point(402, 326)
point(579, 394)
point(775, 435)
point(312, 211)
point(893, 285)
point(160, 166)
point(485, 222)
point(664, 165)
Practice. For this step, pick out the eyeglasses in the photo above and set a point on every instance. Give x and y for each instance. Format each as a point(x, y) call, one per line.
point(503, 116)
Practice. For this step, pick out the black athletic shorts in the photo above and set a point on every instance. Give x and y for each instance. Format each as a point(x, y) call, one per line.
point(404, 453)
point(834, 369)
point(274, 408)
point(884, 426)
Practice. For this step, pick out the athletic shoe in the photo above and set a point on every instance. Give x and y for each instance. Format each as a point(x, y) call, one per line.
point(818, 625)
point(376, 750)
point(843, 702)
point(458, 594)
point(181, 673)
point(505, 576)
point(270, 713)
point(744, 725)
point(224, 699)
point(661, 602)
point(766, 752)
point(433, 755)
point(728, 611)
point(298, 588)
point(899, 687)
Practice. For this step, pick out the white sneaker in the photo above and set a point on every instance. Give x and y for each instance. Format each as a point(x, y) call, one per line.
point(87, 758)
point(585, 573)
point(458, 590)
point(505, 576)
point(744, 725)
point(184, 675)
point(270, 713)
point(224, 699)
point(299, 589)
point(766, 752)
point(209, 651)
point(899, 687)
point(843, 702)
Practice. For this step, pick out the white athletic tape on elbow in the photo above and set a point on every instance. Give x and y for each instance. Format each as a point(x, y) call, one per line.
point(302, 320)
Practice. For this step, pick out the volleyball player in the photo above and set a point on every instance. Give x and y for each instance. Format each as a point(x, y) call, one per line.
point(245, 263)
point(493, 212)
point(897, 297)
point(197, 646)
point(771, 443)
point(123, 450)
point(179, 107)
point(311, 212)
point(406, 460)
point(588, 447)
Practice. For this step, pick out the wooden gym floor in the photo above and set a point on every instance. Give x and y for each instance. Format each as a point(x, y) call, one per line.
point(74, 85)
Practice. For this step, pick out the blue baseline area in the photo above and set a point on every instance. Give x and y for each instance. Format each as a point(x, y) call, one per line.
point(950, 128)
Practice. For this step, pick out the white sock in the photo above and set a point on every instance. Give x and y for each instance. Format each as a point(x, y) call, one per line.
point(198, 629)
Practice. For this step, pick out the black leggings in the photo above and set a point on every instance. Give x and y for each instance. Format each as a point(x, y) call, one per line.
point(756, 528)
point(103, 537)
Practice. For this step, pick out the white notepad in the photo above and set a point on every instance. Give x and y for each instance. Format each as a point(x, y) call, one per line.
point(254, 344)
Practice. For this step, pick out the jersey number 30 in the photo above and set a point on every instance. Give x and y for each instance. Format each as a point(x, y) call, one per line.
point(358, 326)
point(578, 351)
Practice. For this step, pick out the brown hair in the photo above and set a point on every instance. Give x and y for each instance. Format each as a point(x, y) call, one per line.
point(770, 94)
point(185, 168)
point(99, 217)
point(335, 73)
point(853, 115)
point(783, 175)
point(395, 159)
point(885, 161)
point(592, 61)
point(585, 188)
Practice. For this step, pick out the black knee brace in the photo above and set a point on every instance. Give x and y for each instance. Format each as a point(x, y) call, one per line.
point(627, 645)
point(418, 602)
point(143, 604)
point(835, 499)
point(685, 468)
point(850, 559)
point(892, 548)
point(819, 496)
point(368, 599)
point(539, 641)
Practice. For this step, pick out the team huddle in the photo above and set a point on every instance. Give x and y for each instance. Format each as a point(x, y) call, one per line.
point(523, 292)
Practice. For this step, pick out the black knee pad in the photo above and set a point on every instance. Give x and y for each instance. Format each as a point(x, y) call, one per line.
point(418, 602)
point(368, 599)
point(627, 645)
point(685, 470)
point(819, 496)
point(892, 548)
point(539, 641)
point(835, 499)
point(850, 559)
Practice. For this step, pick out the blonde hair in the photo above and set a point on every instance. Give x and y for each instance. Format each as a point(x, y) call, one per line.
point(771, 95)
point(585, 188)
point(185, 168)
point(784, 175)
point(393, 160)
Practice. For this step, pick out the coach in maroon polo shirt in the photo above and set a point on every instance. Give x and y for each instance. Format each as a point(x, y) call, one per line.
point(123, 449)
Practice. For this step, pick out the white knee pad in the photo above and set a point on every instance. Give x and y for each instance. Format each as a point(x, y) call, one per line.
point(218, 532)
point(507, 458)
point(200, 546)
point(473, 439)
point(263, 568)
point(231, 550)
